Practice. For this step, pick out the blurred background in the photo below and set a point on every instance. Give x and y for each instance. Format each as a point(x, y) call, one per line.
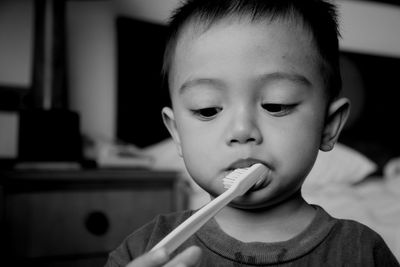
point(81, 136)
point(101, 60)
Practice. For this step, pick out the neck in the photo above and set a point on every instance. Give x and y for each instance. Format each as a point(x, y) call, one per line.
point(275, 223)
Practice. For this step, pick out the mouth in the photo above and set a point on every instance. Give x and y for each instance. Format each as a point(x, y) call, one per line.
point(244, 163)
point(260, 184)
point(248, 162)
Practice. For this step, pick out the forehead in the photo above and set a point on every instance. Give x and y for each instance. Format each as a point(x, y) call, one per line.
point(243, 44)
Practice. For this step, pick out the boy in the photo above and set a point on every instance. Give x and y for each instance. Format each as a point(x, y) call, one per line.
point(256, 81)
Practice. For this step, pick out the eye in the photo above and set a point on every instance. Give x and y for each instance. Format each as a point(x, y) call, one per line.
point(278, 109)
point(207, 113)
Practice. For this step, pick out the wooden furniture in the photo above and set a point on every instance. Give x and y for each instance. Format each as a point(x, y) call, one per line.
point(75, 218)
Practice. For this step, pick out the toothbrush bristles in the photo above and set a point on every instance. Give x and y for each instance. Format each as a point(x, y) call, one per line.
point(230, 179)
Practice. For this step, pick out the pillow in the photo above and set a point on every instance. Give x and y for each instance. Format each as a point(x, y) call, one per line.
point(341, 165)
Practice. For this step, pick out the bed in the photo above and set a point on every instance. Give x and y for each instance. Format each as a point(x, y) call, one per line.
point(343, 181)
point(373, 202)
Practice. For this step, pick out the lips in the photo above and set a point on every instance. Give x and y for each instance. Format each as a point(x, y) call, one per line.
point(244, 163)
point(262, 183)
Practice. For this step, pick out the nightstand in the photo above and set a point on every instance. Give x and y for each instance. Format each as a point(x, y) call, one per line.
point(75, 218)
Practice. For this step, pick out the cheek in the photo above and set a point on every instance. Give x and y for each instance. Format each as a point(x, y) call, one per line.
point(195, 144)
point(298, 148)
point(299, 142)
point(196, 137)
point(198, 149)
point(310, 123)
point(201, 156)
point(309, 136)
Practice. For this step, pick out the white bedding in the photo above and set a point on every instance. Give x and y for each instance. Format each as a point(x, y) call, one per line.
point(374, 202)
point(337, 183)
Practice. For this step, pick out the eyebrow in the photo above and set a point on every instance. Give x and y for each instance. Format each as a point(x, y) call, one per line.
point(279, 75)
point(216, 83)
point(264, 78)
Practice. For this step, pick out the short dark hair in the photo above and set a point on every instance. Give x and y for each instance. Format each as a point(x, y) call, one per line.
point(318, 16)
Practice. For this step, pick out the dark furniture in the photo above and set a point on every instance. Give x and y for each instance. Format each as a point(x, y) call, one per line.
point(76, 217)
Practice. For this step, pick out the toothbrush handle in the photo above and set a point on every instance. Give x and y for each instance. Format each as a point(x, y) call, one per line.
point(187, 228)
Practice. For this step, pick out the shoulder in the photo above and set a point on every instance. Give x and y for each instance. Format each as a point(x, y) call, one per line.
point(359, 243)
point(356, 231)
point(144, 238)
point(345, 228)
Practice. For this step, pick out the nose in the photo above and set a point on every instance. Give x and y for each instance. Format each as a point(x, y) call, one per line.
point(244, 129)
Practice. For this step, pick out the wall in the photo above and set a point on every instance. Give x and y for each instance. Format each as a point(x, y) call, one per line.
point(367, 27)
point(370, 27)
point(151, 10)
point(16, 39)
point(91, 66)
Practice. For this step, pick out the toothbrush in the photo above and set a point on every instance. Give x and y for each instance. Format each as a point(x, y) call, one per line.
point(237, 183)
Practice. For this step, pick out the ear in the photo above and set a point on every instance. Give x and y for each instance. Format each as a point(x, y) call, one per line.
point(169, 122)
point(337, 115)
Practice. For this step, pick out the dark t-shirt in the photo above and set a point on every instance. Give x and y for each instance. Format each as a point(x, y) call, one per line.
point(325, 242)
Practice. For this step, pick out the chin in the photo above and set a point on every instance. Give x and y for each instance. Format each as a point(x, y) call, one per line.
point(262, 199)
point(253, 201)
point(250, 206)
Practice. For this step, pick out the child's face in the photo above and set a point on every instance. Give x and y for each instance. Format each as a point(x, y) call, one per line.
point(247, 92)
